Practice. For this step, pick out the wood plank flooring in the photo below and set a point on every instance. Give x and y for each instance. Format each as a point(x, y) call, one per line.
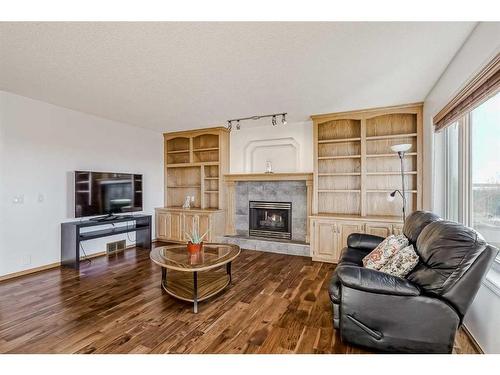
point(277, 304)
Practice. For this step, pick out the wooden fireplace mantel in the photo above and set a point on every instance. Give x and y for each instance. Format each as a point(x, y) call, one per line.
point(231, 179)
point(292, 176)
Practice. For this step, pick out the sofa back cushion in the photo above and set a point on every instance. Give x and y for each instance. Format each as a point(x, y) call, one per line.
point(447, 250)
point(416, 222)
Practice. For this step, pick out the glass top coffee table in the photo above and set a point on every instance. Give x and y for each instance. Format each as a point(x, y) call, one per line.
point(195, 277)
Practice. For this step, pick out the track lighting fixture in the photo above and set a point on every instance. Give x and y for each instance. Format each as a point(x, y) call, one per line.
point(273, 116)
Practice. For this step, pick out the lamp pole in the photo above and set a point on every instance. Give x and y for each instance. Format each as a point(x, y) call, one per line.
point(401, 155)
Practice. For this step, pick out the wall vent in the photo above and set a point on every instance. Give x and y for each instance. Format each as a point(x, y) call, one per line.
point(113, 247)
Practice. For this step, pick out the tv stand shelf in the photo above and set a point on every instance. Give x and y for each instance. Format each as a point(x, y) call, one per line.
point(72, 235)
point(110, 232)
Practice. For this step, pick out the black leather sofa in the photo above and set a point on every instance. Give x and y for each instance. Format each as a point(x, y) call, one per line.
point(418, 314)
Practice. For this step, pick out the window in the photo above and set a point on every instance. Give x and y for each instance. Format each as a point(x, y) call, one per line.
point(485, 169)
point(473, 170)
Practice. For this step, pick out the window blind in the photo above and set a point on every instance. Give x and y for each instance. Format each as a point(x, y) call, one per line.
point(482, 87)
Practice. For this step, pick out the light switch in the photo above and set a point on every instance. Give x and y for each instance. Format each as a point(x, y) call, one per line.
point(18, 199)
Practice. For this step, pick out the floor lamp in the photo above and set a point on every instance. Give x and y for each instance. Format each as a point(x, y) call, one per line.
point(401, 150)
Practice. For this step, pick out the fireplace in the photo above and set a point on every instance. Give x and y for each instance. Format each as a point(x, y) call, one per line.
point(270, 219)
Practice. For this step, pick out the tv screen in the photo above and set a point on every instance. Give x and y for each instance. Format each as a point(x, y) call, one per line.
point(105, 193)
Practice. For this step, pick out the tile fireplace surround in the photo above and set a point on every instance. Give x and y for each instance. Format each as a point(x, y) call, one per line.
point(275, 187)
point(272, 191)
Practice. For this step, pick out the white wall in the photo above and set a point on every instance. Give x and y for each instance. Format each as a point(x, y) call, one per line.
point(483, 318)
point(275, 143)
point(40, 144)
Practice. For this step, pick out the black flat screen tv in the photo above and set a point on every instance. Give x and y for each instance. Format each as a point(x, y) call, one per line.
point(107, 193)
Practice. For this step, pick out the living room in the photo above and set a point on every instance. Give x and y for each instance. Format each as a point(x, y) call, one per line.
point(250, 187)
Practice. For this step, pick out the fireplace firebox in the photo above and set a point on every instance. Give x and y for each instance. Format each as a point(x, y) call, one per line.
point(270, 219)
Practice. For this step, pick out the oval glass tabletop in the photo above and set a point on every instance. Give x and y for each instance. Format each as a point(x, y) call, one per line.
point(177, 257)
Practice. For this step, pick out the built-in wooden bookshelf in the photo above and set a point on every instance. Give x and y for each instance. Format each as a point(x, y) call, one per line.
point(354, 164)
point(355, 168)
point(194, 162)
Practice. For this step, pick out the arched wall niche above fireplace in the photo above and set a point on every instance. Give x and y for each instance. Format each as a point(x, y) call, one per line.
point(283, 153)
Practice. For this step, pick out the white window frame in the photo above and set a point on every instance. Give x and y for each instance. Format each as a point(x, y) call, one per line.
point(464, 175)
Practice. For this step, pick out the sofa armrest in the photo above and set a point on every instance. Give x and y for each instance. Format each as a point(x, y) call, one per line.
point(365, 242)
point(375, 281)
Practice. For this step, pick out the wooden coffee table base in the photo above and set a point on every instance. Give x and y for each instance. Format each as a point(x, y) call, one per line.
point(195, 286)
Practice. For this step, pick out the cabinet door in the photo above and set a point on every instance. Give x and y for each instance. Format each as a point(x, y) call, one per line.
point(190, 221)
point(162, 225)
point(345, 229)
point(175, 227)
point(325, 242)
point(379, 229)
point(204, 226)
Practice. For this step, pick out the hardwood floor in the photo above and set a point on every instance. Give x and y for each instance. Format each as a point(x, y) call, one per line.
point(277, 304)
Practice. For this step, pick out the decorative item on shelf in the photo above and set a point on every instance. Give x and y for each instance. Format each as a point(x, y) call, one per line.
point(273, 116)
point(269, 166)
point(195, 243)
point(401, 149)
point(187, 202)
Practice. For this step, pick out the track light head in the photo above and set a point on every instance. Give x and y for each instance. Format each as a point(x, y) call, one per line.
point(229, 125)
point(283, 118)
point(238, 126)
point(273, 121)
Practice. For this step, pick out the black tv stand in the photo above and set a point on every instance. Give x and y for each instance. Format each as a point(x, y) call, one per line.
point(72, 236)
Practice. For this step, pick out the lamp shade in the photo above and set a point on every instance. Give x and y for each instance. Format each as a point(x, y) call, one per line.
point(401, 148)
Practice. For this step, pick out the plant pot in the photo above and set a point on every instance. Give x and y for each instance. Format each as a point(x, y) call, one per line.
point(194, 248)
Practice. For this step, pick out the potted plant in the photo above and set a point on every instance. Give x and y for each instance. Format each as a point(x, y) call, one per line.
point(195, 243)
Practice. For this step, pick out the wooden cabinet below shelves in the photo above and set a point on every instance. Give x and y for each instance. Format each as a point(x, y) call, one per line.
point(329, 234)
point(324, 245)
point(173, 223)
point(378, 229)
point(168, 226)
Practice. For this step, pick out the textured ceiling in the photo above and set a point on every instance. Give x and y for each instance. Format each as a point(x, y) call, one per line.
point(173, 76)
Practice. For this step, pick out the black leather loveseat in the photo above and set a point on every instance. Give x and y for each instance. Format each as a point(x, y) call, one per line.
point(419, 314)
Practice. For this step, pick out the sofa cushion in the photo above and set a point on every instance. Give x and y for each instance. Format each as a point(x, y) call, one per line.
point(374, 281)
point(401, 263)
point(447, 250)
point(416, 222)
point(384, 251)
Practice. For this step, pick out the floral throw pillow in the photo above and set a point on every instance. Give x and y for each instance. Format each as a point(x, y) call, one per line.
point(384, 251)
point(401, 263)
